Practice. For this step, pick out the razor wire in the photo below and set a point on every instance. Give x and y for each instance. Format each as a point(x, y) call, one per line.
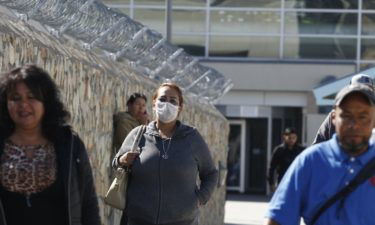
point(123, 39)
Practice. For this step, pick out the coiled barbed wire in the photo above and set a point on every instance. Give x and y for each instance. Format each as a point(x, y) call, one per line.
point(98, 26)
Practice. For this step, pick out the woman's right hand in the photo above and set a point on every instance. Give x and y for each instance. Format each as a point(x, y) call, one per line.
point(144, 118)
point(128, 158)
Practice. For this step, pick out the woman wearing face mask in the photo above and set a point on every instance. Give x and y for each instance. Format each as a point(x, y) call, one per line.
point(162, 187)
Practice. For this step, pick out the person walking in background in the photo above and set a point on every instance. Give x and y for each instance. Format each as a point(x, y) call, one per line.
point(327, 128)
point(324, 169)
point(162, 187)
point(283, 155)
point(124, 122)
point(45, 173)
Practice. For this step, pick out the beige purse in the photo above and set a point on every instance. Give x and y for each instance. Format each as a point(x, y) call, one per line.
point(116, 194)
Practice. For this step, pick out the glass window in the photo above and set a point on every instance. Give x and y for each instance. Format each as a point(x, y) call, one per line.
point(246, 3)
point(368, 4)
point(321, 23)
point(194, 3)
point(153, 18)
point(368, 49)
point(149, 2)
point(368, 24)
point(123, 10)
point(234, 156)
point(244, 22)
point(319, 48)
point(192, 44)
point(188, 21)
point(122, 2)
point(322, 4)
point(246, 46)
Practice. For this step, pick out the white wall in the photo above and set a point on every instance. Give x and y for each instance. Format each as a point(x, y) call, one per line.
point(265, 98)
point(313, 122)
point(278, 76)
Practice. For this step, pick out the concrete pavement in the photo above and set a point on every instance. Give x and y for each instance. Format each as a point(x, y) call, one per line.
point(243, 209)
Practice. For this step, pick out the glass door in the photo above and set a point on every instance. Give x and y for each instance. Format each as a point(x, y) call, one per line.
point(257, 155)
point(236, 156)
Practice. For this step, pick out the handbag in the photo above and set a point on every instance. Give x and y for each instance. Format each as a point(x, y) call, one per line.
point(116, 194)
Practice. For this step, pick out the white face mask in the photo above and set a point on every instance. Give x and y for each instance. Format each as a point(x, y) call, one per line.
point(165, 111)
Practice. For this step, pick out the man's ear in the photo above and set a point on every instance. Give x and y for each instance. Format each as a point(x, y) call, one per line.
point(373, 110)
point(333, 116)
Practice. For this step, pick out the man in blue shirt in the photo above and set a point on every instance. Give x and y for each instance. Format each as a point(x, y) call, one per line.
point(325, 168)
point(327, 128)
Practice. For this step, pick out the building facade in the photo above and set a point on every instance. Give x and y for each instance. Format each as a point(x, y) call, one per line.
point(276, 52)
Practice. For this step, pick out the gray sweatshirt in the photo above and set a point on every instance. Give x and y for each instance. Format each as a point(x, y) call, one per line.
point(165, 190)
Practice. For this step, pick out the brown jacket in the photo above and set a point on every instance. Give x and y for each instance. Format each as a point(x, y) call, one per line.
point(123, 124)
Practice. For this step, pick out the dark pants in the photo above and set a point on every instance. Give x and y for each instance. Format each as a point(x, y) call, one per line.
point(124, 219)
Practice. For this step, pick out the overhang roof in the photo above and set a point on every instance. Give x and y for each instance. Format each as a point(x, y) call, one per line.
point(325, 94)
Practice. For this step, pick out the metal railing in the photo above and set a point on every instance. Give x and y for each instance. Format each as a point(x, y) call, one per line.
point(97, 26)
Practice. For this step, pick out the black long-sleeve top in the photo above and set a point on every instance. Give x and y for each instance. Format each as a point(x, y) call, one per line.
point(281, 159)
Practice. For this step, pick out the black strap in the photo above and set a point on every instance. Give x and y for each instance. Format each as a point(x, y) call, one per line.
point(366, 172)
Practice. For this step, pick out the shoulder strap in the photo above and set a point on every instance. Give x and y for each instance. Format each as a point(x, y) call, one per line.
point(138, 137)
point(142, 140)
point(366, 172)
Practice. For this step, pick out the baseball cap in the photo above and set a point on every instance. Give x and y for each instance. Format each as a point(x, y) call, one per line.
point(289, 130)
point(355, 88)
point(362, 79)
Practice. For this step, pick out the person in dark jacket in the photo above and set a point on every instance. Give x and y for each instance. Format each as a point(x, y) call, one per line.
point(45, 173)
point(327, 128)
point(283, 155)
point(162, 188)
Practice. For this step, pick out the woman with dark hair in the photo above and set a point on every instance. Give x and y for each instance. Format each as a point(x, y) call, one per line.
point(162, 188)
point(45, 173)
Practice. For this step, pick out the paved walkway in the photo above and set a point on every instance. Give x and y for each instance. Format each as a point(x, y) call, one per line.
point(245, 209)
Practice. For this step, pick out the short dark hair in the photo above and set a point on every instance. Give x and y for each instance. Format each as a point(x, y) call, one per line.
point(290, 130)
point(44, 89)
point(134, 97)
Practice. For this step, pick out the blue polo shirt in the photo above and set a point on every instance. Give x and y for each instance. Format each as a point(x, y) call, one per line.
point(317, 174)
